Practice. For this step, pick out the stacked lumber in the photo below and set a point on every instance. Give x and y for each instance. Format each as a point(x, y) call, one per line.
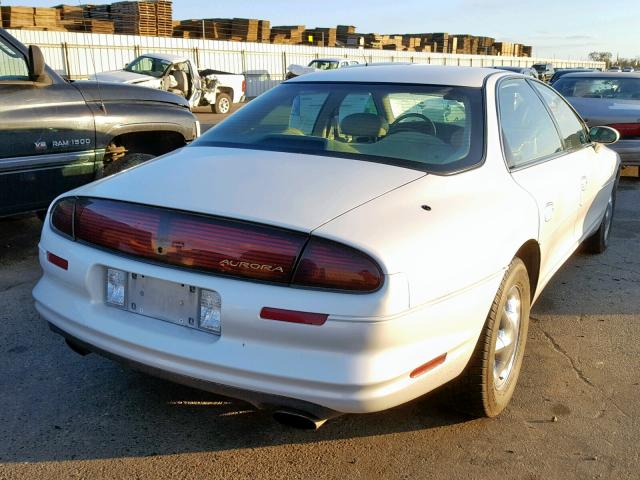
point(463, 44)
point(287, 34)
point(18, 17)
point(527, 51)
point(322, 37)
point(88, 25)
point(485, 45)
point(151, 18)
point(505, 49)
point(99, 12)
point(343, 32)
point(69, 12)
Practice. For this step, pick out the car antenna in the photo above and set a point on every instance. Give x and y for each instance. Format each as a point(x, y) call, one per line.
point(102, 106)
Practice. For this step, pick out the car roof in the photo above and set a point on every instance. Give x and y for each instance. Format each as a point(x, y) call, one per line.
point(166, 56)
point(329, 59)
point(412, 73)
point(596, 74)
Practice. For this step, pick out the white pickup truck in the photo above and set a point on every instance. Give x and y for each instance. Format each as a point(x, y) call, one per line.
point(319, 64)
point(178, 74)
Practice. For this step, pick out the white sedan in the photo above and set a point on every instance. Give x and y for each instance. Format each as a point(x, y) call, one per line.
point(346, 242)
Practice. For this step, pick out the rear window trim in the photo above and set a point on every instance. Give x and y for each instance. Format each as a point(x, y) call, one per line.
point(393, 161)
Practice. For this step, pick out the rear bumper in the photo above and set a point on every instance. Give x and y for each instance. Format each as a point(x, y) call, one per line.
point(359, 361)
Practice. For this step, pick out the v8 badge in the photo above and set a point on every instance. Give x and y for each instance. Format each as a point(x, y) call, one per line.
point(40, 146)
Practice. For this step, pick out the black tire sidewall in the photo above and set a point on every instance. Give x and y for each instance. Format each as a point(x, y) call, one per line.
point(497, 400)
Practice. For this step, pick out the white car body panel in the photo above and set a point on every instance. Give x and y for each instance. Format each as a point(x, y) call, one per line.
point(276, 188)
point(122, 76)
point(442, 265)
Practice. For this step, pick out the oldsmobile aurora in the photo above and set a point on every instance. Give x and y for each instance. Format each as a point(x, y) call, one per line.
point(347, 242)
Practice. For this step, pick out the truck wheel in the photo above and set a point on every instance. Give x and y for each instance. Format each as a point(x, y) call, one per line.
point(128, 161)
point(223, 104)
point(489, 379)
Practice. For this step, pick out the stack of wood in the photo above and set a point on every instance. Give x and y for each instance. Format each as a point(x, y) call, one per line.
point(527, 51)
point(287, 34)
point(152, 17)
point(343, 32)
point(99, 12)
point(441, 41)
point(45, 18)
point(69, 12)
point(485, 45)
point(88, 25)
point(463, 44)
point(321, 37)
point(505, 49)
point(17, 17)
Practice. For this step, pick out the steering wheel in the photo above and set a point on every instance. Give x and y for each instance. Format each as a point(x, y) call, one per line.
point(395, 126)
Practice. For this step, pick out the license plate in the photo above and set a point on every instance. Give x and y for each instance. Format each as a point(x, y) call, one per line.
point(169, 301)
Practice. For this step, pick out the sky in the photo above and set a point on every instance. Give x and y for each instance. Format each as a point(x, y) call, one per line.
point(567, 29)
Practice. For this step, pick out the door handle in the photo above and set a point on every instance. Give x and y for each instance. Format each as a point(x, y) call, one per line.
point(548, 211)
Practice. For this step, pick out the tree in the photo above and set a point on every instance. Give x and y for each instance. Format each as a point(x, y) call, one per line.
point(601, 57)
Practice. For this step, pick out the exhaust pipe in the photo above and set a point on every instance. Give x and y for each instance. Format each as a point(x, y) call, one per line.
point(299, 420)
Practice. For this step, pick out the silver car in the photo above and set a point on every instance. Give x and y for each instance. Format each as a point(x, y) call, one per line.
point(611, 99)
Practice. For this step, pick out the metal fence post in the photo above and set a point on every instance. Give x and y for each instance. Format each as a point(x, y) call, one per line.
point(284, 65)
point(243, 58)
point(65, 56)
point(196, 56)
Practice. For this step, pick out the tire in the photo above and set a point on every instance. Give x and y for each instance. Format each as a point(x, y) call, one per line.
point(126, 162)
point(486, 385)
point(223, 104)
point(598, 242)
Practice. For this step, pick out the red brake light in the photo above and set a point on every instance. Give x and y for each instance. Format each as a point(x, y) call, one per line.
point(62, 216)
point(627, 130)
point(183, 239)
point(244, 86)
point(327, 264)
point(293, 316)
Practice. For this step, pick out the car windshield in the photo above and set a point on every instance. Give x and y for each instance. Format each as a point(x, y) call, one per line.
point(430, 128)
point(587, 87)
point(324, 64)
point(154, 67)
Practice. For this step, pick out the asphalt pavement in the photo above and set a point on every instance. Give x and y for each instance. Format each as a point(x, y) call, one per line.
point(574, 415)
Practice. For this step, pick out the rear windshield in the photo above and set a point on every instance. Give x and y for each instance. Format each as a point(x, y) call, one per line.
point(585, 87)
point(430, 128)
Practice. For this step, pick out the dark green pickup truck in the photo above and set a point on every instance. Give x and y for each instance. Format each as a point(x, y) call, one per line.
point(56, 135)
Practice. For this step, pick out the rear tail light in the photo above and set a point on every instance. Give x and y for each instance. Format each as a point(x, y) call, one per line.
point(244, 86)
point(627, 130)
point(228, 247)
point(326, 264)
point(62, 216)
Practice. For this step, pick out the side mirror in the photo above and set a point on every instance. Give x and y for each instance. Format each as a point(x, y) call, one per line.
point(604, 135)
point(36, 64)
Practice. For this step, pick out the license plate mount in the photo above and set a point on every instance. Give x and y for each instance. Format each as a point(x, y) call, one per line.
point(164, 300)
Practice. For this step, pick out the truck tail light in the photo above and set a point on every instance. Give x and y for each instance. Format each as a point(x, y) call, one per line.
point(244, 86)
point(627, 130)
point(326, 264)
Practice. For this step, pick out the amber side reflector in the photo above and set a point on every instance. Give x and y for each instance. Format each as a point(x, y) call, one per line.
point(428, 366)
point(58, 261)
point(293, 316)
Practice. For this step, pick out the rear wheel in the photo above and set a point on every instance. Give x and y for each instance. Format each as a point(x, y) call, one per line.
point(223, 104)
point(486, 386)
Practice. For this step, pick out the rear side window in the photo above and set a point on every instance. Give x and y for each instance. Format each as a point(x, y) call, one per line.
point(528, 131)
point(573, 131)
point(13, 65)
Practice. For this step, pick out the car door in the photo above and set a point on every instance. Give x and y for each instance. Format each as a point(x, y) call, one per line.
point(535, 154)
point(47, 135)
point(593, 174)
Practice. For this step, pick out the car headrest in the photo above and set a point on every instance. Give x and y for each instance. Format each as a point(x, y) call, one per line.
point(364, 125)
